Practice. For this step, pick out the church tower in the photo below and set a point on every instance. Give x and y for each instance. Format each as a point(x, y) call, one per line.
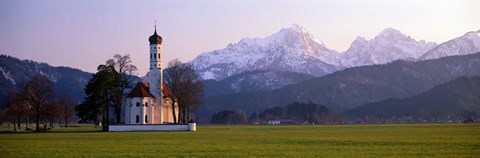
point(155, 77)
point(155, 50)
point(150, 102)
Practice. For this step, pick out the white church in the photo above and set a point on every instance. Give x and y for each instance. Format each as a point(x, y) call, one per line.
point(148, 107)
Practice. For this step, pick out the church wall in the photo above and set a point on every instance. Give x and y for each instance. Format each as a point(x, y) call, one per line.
point(137, 109)
point(126, 108)
point(149, 127)
point(157, 110)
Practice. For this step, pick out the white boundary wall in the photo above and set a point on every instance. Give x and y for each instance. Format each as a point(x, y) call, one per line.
point(147, 127)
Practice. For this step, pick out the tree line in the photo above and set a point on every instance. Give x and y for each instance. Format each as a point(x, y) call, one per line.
point(294, 113)
point(35, 101)
point(105, 93)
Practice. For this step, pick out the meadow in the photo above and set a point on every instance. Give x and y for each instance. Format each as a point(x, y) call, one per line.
point(390, 140)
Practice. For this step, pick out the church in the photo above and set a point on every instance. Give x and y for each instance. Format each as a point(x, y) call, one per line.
point(150, 102)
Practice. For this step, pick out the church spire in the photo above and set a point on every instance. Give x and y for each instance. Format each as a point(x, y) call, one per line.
point(155, 38)
point(155, 27)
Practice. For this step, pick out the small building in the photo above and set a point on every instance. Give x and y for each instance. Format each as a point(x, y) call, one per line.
point(468, 121)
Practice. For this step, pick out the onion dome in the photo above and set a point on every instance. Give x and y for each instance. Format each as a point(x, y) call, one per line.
point(155, 38)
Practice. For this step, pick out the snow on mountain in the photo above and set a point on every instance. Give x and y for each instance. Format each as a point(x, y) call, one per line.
point(463, 45)
point(291, 49)
point(258, 80)
point(387, 46)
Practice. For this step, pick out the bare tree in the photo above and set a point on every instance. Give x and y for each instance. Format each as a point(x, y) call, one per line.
point(191, 90)
point(185, 87)
point(50, 112)
point(67, 108)
point(38, 92)
point(171, 78)
point(17, 108)
point(123, 65)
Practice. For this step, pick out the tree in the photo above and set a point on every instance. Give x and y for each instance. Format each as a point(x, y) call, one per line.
point(191, 91)
point(171, 78)
point(4, 116)
point(67, 108)
point(229, 117)
point(185, 86)
point(38, 92)
point(17, 108)
point(50, 112)
point(101, 91)
point(123, 65)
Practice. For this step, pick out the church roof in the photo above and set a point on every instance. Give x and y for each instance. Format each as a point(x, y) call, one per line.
point(140, 90)
point(155, 38)
point(166, 91)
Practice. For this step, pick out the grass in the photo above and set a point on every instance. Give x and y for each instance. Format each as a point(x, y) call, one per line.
point(394, 140)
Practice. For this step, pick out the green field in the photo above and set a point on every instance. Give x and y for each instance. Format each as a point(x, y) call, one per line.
point(396, 140)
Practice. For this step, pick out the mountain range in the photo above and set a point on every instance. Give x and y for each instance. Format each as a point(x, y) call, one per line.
point(251, 81)
point(294, 49)
point(451, 101)
point(14, 73)
point(353, 87)
point(291, 49)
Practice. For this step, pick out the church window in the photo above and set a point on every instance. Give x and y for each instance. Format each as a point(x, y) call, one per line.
point(137, 119)
point(146, 104)
point(146, 119)
point(138, 104)
point(158, 55)
point(131, 105)
point(155, 56)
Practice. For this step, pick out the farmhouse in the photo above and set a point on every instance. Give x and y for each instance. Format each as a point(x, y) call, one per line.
point(148, 107)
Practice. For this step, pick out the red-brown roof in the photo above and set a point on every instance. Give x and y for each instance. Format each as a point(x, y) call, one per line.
point(140, 90)
point(166, 91)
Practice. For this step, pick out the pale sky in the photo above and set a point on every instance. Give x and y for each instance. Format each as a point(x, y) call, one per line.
point(85, 33)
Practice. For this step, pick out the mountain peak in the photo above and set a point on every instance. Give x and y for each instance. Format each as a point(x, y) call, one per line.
point(297, 28)
point(390, 32)
point(466, 44)
point(295, 31)
point(474, 33)
point(360, 39)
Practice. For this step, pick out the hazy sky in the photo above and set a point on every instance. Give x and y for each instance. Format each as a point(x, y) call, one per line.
point(85, 33)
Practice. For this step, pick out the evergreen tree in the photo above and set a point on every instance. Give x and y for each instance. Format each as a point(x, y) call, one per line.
point(101, 91)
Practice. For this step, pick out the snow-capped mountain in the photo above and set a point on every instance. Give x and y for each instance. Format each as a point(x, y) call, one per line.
point(291, 49)
point(387, 46)
point(463, 45)
point(258, 80)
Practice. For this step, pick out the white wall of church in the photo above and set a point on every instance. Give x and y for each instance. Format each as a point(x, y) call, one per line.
point(155, 56)
point(141, 111)
point(167, 110)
